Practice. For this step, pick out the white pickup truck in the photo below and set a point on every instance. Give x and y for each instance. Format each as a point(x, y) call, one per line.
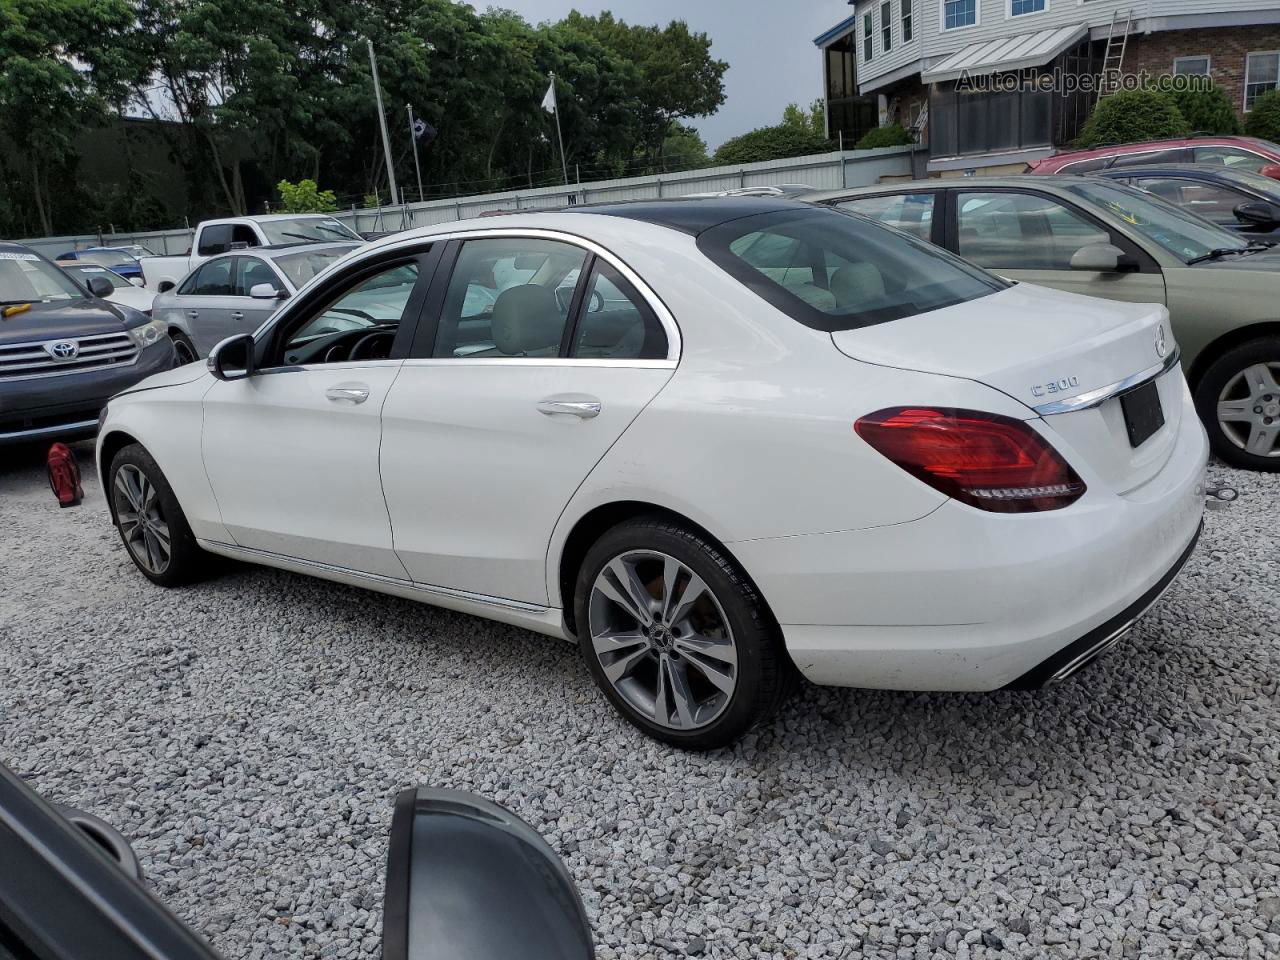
point(219, 236)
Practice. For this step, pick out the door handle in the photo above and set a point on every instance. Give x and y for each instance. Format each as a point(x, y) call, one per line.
point(193, 314)
point(585, 408)
point(352, 393)
point(237, 315)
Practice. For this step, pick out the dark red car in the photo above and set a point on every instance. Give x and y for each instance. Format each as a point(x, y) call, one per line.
point(1236, 153)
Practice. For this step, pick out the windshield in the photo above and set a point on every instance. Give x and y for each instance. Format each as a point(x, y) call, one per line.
point(25, 278)
point(301, 267)
point(83, 274)
point(1178, 231)
point(305, 230)
point(834, 270)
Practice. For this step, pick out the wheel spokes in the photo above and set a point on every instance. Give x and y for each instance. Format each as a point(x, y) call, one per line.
point(1236, 411)
point(690, 593)
point(1262, 439)
point(621, 584)
point(1261, 380)
point(126, 488)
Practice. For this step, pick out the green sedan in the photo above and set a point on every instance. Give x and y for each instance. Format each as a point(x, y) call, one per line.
point(1105, 239)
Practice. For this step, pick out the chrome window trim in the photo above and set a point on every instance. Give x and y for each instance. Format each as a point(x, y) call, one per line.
point(1096, 398)
point(675, 343)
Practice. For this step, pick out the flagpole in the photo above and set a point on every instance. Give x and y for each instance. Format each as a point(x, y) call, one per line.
point(382, 121)
point(413, 138)
point(555, 103)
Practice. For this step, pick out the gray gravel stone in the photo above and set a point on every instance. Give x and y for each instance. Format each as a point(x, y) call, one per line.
point(249, 735)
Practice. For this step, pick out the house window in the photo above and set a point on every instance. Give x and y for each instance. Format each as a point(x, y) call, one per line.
point(959, 13)
point(1261, 75)
point(886, 27)
point(868, 36)
point(1019, 7)
point(1191, 66)
point(907, 31)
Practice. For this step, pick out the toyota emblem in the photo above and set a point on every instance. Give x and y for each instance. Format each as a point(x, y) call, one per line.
point(1162, 344)
point(64, 350)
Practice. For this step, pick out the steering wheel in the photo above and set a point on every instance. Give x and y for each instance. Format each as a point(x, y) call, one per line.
point(364, 347)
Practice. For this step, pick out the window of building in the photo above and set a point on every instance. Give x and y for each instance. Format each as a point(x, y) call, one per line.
point(959, 13)
point(1019, 7)
point(1261, 74)
point(907, 28)
point(886, 27)
point(868, 37)
point(1191, 66)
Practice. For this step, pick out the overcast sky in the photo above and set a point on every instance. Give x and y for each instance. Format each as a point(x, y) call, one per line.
point(768, 45)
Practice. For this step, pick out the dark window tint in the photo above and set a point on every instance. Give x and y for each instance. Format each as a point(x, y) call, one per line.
point(242, 234)
point(616, 323)
point(834, 271)
point(215, 239)
point(213, 279)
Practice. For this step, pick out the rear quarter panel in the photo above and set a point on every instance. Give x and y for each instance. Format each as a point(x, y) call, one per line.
point(1206, 304)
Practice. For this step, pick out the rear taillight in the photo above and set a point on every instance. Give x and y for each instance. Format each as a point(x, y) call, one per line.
point(987, 461)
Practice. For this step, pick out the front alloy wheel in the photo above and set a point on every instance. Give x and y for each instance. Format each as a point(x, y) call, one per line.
point(662, 639)
point(141, 520)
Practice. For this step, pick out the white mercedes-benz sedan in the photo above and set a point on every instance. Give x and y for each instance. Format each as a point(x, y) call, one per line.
point(715, 442)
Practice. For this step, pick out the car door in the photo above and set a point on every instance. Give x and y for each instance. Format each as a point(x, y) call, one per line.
point(516, 387)
point(291, 452)
point(249, 313)
point(207, 301)
point(1031, 236)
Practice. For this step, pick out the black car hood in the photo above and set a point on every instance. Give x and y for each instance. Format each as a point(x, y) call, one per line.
point(67, 318)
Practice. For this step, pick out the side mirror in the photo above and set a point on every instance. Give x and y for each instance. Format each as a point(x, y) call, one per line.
point(100, 287)
point(232, 358)
point(1258, 213)
point(469, 880)
point(266, 291)
point(1099, 258)
point(165, 286)
point(137, 281)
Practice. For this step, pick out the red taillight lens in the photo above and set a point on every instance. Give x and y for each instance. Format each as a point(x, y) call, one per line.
point(987, 461)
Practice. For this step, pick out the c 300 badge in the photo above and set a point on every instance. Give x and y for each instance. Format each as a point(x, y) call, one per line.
point(1057, 386)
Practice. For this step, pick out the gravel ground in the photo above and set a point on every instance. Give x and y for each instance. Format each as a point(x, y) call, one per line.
point(248, 735)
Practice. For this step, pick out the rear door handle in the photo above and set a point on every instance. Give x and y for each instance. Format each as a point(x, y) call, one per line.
point(584, 407)
point(193, 314)
point(352, 393)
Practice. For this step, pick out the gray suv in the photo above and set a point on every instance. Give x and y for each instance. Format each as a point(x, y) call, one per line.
point(64, 350)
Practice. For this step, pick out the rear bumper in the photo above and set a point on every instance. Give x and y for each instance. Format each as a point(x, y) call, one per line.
point(67, 407)
point(965, 600)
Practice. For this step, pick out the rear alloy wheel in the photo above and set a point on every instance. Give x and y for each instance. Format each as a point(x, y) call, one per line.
point(676, 637)
point(152, 525)
point(1239, 400)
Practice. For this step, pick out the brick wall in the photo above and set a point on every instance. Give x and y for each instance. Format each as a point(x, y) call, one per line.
point(1226, 47)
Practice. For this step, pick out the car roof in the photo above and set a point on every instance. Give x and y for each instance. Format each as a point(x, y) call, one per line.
point(1208, 171)
point(1208, 140)
point(691, 215)
point(1056, 180)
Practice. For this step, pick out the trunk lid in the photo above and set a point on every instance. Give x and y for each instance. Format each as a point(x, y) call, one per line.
point(1043, 346)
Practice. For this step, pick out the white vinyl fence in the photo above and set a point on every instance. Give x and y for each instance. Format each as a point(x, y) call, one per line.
point(826, 171)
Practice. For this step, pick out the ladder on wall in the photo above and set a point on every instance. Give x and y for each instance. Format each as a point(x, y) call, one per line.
point(922, 121)
point(1113, 58)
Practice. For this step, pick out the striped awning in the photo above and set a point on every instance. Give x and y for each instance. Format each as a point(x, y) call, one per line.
point(1006, 53)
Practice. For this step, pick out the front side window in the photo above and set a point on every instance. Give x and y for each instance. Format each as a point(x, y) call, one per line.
point(26, 278)
point(912, 212)
point(1191, 67)
point(1019, 7)
point(908, 30)
point(1021, 231)
point(358, 324)
point(1261, 75)
point(1209, 200)
point(509, 297)
point(306, 230)
point(1232, 157)
point(886, 27)
point(213, 279)
point(1183, 234)
point(831, 270)
point(615, 323)
point(868, 36)
point(251, 272)
point(959, 13)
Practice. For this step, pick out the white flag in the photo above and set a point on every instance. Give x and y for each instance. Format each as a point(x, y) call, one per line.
point(549, 101)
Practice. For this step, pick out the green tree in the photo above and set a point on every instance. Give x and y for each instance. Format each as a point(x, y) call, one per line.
point(1131, 116)
point(305, 197)
point(684, 149)
point(1207, 111)
point(814, 119)
point(771, 143)
point(1264, 117)
point(890, 135)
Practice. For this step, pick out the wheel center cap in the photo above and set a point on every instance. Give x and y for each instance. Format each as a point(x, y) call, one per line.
point(660, 637)
point(1271, 410)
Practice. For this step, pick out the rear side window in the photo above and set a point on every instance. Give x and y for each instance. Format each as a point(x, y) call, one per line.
point(832, 270)
point(615, 322)
point(912, 212)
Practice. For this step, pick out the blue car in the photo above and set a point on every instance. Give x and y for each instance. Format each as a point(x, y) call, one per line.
point(120, 260)
point(1240, 200)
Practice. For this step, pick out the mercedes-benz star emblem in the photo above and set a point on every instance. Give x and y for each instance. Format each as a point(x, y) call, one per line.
point(64, 350)
point(1162, 344)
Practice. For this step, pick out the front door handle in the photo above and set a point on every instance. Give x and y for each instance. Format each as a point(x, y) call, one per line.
point(584, 407)
point(352, 393)
point(237, 315)
point(193, 314)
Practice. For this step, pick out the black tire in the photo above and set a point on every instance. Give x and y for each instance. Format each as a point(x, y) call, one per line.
point(184, 351)
point(1221, 373)
point(764, 673)
point(186, 562)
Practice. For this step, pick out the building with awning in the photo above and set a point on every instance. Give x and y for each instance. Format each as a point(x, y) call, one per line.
point(995, 85)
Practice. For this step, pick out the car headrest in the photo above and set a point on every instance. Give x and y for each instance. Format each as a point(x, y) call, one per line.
point(526, 319)
point(856, 284)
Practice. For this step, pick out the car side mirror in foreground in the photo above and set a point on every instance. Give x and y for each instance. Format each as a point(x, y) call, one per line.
point(469, 880)
point(266, 291)
point(1100, 258)
point(100, 287)
point(232, 358)
point(137, 281)
point(1258, 213)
